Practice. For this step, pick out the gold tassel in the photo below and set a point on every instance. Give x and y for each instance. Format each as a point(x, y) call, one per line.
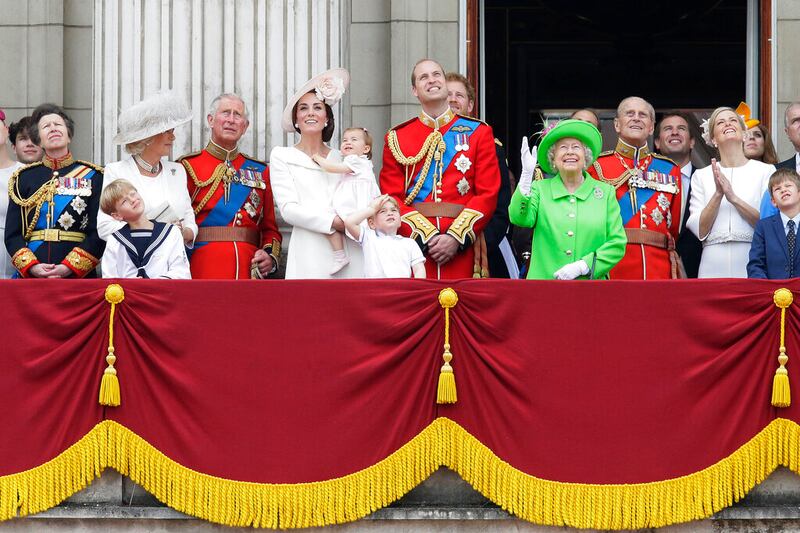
point(109, 385)
point(446, 391)
point(781, 393)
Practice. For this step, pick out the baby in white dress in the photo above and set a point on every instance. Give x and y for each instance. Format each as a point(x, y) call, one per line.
point(356, 188)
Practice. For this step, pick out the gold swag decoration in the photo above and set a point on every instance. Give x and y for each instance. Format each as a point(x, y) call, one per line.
point(109, 385)
point(432, 148)
point(446, 391)
point(781, 393)
point(34, 202)
point(219, 175)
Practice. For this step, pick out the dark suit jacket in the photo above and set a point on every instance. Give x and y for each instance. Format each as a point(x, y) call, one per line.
point(789, 163)
point(498, 225)
point(688, 245)
point(769, 253)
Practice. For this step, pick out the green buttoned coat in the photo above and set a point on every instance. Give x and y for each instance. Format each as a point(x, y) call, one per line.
point(570, 226)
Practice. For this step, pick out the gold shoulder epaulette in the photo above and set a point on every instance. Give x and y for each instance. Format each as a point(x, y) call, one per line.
point(664, 158)
point(474, 119)
point(90, 165)
point(497, 142)
point(253, 159)
point(187, 156)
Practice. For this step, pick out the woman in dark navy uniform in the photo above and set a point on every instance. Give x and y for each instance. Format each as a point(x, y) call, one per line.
point(51, 224)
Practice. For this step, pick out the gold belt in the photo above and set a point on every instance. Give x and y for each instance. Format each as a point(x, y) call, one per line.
point(229, 234)
point(56, 235)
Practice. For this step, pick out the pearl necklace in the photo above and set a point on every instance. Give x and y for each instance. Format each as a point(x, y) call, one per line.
point(147, 167)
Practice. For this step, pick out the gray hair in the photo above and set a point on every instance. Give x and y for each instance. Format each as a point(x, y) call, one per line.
point(786, 113)
point(587, 154)
point(212, 109)
point(650, 107)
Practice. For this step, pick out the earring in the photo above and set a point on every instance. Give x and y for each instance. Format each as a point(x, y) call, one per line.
point(296, 125)
point(326, 125)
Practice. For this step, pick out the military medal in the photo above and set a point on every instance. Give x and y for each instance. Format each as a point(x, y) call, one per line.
point(462, 186)
point(462, 142)
point(255, 200)
point(463, 163)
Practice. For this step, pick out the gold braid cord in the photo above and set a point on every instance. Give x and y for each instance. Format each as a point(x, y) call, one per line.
point(43, 194)
point(446, 389)
point(433, 147)
point(216, 178)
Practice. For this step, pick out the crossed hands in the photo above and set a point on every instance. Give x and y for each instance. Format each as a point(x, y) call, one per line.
point(49, 270)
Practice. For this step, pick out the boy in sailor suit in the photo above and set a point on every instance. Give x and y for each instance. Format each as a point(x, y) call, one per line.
point(142, 248)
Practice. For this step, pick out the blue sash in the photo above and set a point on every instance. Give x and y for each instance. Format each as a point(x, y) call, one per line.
point(449, 138)
point(642, 195)
point(222, 214)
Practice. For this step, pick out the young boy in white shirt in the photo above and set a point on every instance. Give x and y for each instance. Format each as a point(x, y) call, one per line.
point(141, 248)
point(386, 254)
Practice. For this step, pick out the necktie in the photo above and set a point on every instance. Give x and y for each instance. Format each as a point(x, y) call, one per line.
point(791, 240)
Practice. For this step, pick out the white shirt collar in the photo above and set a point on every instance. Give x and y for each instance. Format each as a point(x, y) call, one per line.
point(785, 220)
point(686, 169)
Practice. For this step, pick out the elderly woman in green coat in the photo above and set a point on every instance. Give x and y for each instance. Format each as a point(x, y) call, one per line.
point(577, 228)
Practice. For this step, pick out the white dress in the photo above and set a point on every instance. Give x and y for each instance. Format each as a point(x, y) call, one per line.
point(303, 193)
point(6, 268)
point(357, 189)
point(166, 197)
point(726, 248)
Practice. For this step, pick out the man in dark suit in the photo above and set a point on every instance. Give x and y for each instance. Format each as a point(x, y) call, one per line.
point(775, 253)
point(501, 261)
point(673, 138)
point(791, 122)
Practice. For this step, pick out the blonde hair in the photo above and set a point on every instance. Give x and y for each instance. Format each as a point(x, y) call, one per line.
point(367, 138)
point(713, 118)
point(113, 193)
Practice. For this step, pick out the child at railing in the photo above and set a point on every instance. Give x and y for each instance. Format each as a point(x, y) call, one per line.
point(386, 254)
point(356, 188)
point(141, 248)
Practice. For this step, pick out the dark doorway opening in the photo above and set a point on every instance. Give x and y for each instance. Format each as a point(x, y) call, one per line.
point(548, 58)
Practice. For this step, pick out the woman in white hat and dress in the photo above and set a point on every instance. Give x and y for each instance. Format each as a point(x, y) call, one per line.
point(146, 129)
point(303, 191)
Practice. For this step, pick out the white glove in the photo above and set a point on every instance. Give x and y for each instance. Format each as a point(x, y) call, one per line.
point(528, 159)
point(572, 270)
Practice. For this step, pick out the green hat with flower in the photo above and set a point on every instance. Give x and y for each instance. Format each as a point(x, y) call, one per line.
point(570, 128)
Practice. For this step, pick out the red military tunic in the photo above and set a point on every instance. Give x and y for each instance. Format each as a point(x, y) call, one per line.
point(650, 206)
point(444, 174)
point(235, 213)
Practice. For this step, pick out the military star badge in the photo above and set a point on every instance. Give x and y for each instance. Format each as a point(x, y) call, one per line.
point(66, 220)
point(78, 204)
point(463, 163)
point(462, 186)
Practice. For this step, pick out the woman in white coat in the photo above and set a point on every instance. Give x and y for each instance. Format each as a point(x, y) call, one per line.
point(302, 190)
point(147, 131)
point(726, 196)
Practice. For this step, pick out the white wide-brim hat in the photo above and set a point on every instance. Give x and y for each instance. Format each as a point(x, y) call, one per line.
point(155, 114)
point(329, 86)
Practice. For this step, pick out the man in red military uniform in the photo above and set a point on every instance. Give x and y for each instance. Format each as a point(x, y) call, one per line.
point(649, 192)
point(442, 168)
point(238, 237)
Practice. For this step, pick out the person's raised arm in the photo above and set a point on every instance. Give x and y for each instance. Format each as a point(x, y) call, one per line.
point(353, 221)
point(331, 166)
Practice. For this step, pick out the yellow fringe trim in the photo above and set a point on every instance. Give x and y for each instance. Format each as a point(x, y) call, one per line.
point(442, 443)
